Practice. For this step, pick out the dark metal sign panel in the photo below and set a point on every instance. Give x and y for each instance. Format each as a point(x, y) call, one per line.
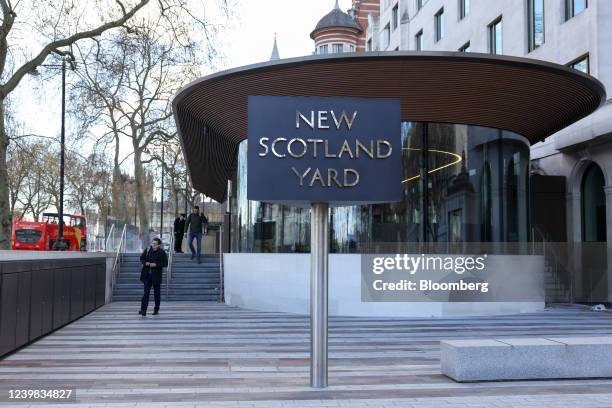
point(311, 149)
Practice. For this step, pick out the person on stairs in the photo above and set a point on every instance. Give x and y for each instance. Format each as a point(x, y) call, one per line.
point(153, 261)
point(194, 225)
point(179, 231)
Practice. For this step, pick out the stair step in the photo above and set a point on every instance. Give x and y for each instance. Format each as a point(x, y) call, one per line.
point(190, 281)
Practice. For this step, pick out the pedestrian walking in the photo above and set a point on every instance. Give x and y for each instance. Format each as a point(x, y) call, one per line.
point(179, 231)
point(153, 261)
point(194, 225)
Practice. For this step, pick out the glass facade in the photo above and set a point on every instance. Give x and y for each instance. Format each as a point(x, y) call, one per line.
point(460, 184)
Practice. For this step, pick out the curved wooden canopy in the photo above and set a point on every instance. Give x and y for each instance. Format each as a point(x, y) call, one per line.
point(530, 97)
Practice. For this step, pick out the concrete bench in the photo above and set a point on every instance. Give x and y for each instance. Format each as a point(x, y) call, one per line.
point(526, 358)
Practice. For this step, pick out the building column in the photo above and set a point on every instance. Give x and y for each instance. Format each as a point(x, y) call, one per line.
point(574, 217)
point(608, 192)
point(574, 240)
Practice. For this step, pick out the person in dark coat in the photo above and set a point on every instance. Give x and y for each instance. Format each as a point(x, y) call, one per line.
point(153, 261)
point(179, 231)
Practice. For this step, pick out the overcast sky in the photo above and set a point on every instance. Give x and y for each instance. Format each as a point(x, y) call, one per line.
point(258, 20)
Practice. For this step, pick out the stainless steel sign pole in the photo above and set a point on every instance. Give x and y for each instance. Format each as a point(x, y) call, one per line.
point(319, 250)
point(321, 151)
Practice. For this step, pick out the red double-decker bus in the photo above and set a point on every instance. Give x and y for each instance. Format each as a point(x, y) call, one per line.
point(41, 235)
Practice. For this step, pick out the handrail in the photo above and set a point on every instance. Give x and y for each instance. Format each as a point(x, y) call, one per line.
point(117, 261)
point(170, 260)
point(111, 233)
point(221, 287)
point(557, 261)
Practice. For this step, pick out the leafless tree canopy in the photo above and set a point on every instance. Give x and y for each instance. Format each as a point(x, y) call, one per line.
point(132, 56)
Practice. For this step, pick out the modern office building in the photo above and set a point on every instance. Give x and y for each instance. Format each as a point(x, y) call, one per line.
point(467, 121)
point(571, 188)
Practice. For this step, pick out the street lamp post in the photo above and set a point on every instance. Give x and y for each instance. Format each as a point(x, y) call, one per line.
point(161, 209)
point(67, 56)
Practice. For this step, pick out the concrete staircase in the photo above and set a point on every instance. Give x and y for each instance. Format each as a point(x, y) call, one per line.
point(129, 287)
point(190, 281)
point(555, 289)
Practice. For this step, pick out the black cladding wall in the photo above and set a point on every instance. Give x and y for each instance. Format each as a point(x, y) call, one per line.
point(39, 296)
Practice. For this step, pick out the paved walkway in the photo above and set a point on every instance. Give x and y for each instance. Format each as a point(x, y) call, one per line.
point(209, 355)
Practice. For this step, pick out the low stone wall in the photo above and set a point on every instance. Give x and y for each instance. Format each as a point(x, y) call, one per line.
point(281, 283)
point(42, 292)
point(526, 358)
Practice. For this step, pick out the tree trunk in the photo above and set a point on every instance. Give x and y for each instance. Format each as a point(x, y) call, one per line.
point(140, 198)
point(119, 205)
point(175, 192)
point(6, 218)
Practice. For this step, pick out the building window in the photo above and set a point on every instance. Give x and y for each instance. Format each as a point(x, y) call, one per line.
point(495, 37)
point(439, 24)
point(387, 36)
point(464, 8)
point(581, 64)
point(536, 23)
point(351, 48)
point(418, 41)
point(420, 4)
point(337, 48)
point(476, 176)
point(574, 7)
point(369, 45)
point(323, 49)
point(465, 47)
point(395, 17)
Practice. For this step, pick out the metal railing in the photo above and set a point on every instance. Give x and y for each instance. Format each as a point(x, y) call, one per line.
point(170, 260)
point(555, 259)
point(221, 288)
point(118, 258)
point(109, 237)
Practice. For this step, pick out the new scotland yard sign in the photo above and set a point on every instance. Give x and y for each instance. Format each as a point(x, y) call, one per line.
point(312, 149)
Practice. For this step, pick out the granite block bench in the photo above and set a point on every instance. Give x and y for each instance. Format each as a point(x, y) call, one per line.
point(526, 358)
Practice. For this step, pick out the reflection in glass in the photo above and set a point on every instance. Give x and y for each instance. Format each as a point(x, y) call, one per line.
point(471, 180)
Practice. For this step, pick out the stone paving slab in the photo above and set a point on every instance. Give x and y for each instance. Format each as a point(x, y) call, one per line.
point(211, 355)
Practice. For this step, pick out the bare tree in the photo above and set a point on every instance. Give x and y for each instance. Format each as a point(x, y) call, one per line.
point(141, 69)
point(19, 164)
point(32, 30)
point(34, 195)
point(55, 27)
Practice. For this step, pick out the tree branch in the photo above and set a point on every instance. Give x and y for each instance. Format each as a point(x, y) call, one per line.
point(12, 83)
